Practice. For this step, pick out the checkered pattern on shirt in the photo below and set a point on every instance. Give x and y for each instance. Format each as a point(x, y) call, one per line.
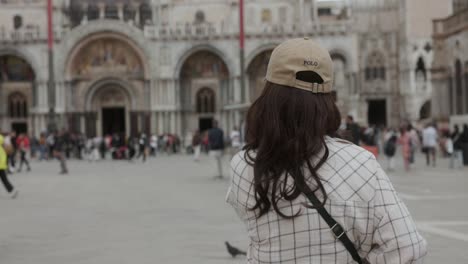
point(361, 199)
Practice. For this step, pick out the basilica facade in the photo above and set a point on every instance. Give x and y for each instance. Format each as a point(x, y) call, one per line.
point(173, 66)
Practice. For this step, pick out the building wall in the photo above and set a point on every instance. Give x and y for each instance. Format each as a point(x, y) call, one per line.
point(351, 32)
point(450, 97)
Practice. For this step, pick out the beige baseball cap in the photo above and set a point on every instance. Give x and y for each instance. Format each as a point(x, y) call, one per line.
point(300, 55)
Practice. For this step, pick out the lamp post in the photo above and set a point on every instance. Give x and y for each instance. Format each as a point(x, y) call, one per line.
point(52, 126)
point(241, 49)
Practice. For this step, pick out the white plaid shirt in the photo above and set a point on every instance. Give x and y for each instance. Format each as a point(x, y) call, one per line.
point(360, 198)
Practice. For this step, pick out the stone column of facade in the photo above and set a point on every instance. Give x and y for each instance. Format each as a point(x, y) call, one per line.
point(172, 122)
point(84, 20)
point(160, 121)
point(102, 11)
point(60, 97)
point(120, 11)
point(137, 15)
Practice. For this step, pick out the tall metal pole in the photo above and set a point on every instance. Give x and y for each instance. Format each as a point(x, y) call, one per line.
point(52, 126)
point(241, 49)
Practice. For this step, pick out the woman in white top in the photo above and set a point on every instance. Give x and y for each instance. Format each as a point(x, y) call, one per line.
point(292, 149)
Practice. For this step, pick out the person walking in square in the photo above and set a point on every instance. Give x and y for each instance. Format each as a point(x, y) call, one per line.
point(405, 143)
point(430, 138)
point(304, 194)
point(59, 152)
point(390, 145)
point(196, 145)
point(216, 146)
point(142, 143)
point(235, 141)
point(12, 191)
point(23, 145)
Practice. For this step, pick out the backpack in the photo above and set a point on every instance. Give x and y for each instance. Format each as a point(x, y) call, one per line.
point(390, 147)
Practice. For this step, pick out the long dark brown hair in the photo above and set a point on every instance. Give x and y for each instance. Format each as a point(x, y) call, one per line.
point(285, 135)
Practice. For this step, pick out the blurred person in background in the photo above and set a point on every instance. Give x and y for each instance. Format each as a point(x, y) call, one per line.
point(354, 130)
point(216, 146)
point(43, 151)
point(142, 145)
point(405, 142)
point(154, 145)
point(9, 150)
point(59, 152)
point(430, 138)
point(235, 141)
point(13, 151)
point(23, 145)
point(3, 168)
point(390, 146)
point(415, 143)
point(196, 145)
point(456, 160)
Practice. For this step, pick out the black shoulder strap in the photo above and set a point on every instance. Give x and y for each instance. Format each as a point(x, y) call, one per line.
point(335, 227)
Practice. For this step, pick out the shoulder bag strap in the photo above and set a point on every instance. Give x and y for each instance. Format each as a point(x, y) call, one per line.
point(335, 227)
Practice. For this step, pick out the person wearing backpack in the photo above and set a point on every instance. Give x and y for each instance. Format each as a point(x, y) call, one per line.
point(304, 194)
point(390, 146)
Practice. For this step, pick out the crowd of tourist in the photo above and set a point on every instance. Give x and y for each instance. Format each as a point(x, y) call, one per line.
point(429, 139)
point(18, 148)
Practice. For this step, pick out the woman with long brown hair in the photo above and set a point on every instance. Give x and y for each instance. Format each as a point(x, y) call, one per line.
point(305, 195)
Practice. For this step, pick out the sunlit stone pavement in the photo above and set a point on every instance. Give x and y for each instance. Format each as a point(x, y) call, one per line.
point(171, 210)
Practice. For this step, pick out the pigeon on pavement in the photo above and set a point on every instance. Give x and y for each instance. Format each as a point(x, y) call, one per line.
point(234, 251)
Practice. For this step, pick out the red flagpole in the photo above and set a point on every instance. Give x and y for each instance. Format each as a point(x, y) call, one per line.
point(50, 31)
point(241, 24)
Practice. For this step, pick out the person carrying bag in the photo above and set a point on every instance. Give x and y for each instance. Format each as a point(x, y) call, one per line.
point(304, 194)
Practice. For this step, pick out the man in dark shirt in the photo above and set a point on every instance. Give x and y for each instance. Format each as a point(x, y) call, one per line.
point(59, 146)
point(353, 129)
point(216, 145)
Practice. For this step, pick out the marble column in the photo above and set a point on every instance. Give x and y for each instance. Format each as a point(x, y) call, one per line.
point(102, 10)
point(84, 20)
point(160, 120)
point(173, 121)
point(120, 11)
point(137, 15)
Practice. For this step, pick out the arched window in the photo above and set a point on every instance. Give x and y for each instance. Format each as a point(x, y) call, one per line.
point(339, 68)
point(92, 12)
point(146, 16)
point(76, 14)
point(421, 69)
point(205, 101)
point(425, 111)
point(129, 12)
point(266, 15)
point(458, 87)
point(199, 17)
point(111, 11)
point(375, 67)
point(17, 106)
point(17, 22)
point(15, 69)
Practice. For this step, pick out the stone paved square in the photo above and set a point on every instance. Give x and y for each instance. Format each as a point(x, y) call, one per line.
point(171, 210)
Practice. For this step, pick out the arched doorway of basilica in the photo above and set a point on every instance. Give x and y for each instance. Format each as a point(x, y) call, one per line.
point(204, 82)
point(17, 87)
point(206, 105)
point(108, 90)
point(112, 104)
point(256, 72)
